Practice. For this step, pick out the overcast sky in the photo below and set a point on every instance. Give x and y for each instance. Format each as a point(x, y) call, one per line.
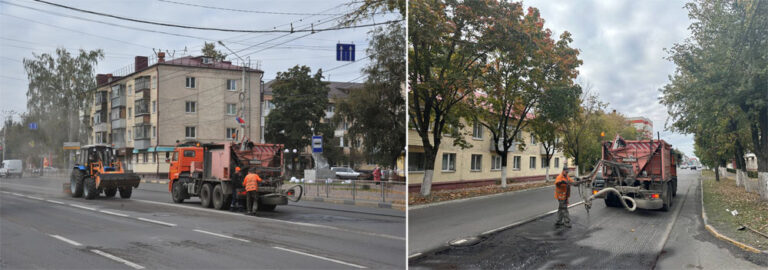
point(622, 45)
point(24, 31)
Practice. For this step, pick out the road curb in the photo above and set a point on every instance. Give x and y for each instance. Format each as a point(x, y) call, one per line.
point(486, 234)
point(421, 206)
point(395, 206)
point(719, 235)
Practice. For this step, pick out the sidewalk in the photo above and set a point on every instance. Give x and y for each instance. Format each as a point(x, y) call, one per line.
point(444, 196)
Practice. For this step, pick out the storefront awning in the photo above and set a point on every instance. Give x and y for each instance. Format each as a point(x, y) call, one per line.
point(155, 149)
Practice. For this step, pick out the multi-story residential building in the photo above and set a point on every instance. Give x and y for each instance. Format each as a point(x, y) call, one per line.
point(643, 125)
point(479, 165)
point(144, 113)
point(337, 91)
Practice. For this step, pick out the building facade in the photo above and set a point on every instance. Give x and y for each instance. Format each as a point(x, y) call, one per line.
point(644, 127)
point(479, 165)
point(146, 112)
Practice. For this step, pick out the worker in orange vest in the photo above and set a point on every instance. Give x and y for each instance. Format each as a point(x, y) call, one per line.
point(251, 183)
point(563, 185)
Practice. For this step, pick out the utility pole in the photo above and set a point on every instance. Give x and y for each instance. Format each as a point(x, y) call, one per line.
point(242, 98)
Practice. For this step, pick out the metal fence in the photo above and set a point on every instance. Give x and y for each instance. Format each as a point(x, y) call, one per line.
point(357, 190)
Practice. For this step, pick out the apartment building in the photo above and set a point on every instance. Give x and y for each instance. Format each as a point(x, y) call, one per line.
point(145, 112)
point(479, 165)
point(644, 127)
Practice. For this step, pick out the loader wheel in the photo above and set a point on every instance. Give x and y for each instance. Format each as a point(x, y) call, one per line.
point(89, 188)
point(178, 194)
point(76, 184)
point(267, 207)
point(205, 196)
point(125, 192)
point(220, 201)
point(110, 192)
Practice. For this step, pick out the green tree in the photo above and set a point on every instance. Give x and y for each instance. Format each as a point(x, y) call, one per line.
point(377, 111)
point(446, 47)
point(60, 86)
point(579, 131)
point(557, 107)
point(209, 50)
point(300, 100)
point(369, 8)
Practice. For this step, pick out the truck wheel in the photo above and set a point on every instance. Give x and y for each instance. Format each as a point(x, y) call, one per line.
point(76, 184)
point(178, 194)
point(110, 192)
point(205, 196)
point(125, 192)
point(611, 200)
point(665, 197)
point(89, 188)
point(267, 207)
point(674, 186)
point(220, 201)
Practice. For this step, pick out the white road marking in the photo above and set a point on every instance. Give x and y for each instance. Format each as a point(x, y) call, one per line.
point(36, 198)
point(321, 257)
point(83, 207)
point(71, 242)
point(414, 255)
point(56, 202)
point(460, 242)
point(277, 220)
point(17, 194)
point(113, 213)
point(117, 259)
point(157, 222)
point(222, 235)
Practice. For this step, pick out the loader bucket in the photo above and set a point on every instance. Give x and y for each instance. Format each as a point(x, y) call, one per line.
point(113, 180)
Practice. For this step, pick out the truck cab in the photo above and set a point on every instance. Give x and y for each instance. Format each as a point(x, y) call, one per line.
point(183, 159)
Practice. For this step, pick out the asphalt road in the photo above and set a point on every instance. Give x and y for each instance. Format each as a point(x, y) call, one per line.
point(604, 238)
point(41, 227)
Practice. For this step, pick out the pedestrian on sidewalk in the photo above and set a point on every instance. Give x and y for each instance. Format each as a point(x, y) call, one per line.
point(251, 183)
point(563, 184)
point(377, 174)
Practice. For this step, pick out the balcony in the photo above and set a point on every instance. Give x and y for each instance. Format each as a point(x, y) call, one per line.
point(142, 144)
point(118, 124)
point(101, 127)
point(100, 98)
point(141, 83)
point(511, 149)
point(141, 107)
point(118, 138)
point(142, 136)
point(118, 101)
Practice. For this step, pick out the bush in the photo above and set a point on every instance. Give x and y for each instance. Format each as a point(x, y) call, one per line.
point(731, 170)
point(752, 174)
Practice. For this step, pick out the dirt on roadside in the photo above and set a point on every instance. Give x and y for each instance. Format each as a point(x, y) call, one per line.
point(415, 198)
point(724, 197)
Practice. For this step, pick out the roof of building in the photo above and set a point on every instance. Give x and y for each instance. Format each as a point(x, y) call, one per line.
point(187, 61)
point(337, 89)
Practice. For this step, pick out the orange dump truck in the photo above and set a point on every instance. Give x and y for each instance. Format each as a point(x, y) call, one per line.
point(643, 170)
point(209, 171)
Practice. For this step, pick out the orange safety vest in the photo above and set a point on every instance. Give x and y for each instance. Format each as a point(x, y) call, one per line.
point(562, 192)
point(251, 182)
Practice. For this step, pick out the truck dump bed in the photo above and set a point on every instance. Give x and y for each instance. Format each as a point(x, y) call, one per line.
point(645, 156)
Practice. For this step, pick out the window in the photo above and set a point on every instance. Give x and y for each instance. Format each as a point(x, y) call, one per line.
point(533, 139)
point(153, 82)
point(190, 82)
point(557, 162)
point(129, 111)
point(533, 163)
point(154, 106)
point(207, 60)
point(344, 125)
point(495, 162)
point(415, 161)
point(191, 107)
point(544, 162)
point(516, 162)
point(188, 153)
point(477, 163)
point(477, 131)
point(232, 85)
point(189, 132)
point(331, 108)
point(154, 131)
point(129, 136)
point(230, 133)
point(449, 162)
point(231, 109)
point(144, 157)
point(341, 141)
point(130, 89)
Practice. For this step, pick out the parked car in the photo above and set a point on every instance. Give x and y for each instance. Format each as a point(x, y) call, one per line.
point(50, 170)
point(345, 173)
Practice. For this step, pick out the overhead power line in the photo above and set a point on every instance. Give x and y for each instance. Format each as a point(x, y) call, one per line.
point(213, 28)
point(250, 11)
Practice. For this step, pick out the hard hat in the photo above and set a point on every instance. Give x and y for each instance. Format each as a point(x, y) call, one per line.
point(237, 169)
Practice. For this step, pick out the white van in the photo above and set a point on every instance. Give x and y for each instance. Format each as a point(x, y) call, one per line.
point(12, 167)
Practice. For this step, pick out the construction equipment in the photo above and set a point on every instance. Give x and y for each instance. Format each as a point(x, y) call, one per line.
point(98, 170)
point(635, 174)
point(210, 171)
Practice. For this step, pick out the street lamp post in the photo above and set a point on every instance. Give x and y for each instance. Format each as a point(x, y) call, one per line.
point(242, 97)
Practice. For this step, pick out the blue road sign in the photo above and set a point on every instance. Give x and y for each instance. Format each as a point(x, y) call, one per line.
point(317, 144)
point(345, 52)
point(33, 126)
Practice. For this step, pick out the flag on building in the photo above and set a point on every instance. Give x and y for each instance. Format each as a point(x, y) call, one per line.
point(240, 120)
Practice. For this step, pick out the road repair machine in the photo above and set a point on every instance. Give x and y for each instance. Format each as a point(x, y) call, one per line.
point(97, 170)
point(634, 174)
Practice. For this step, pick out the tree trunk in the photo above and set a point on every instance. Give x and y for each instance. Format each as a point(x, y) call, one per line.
point(762, 177)
point(504, 170)
point(717, 173)
point(546, 173)
point(430, 155)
